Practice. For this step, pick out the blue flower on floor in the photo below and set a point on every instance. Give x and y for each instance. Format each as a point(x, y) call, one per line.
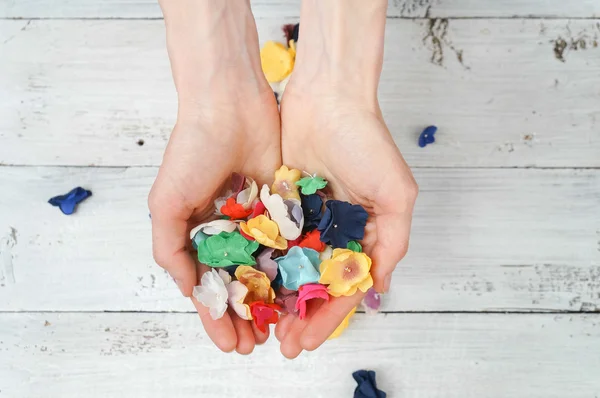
point(341, 223)
point(67, 203)
point(367, 387)
point(427, 136)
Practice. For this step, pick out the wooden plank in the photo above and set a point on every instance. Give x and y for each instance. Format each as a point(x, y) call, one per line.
point(504, 93)
point(483, 240)
point(291, 9)
point(416, 355)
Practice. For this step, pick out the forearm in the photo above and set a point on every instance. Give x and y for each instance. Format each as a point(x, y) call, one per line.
point(341, 44)
point(213, 48)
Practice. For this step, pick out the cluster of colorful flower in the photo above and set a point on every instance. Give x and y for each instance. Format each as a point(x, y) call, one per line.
point(276, 250)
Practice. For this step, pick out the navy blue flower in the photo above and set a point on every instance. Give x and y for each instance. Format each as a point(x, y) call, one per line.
point(341, 223)
point(427, 136)
point(367, 387)
point(67, 203)
point(312, 206)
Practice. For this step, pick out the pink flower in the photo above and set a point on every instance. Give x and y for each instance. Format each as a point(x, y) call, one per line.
point(309, 292)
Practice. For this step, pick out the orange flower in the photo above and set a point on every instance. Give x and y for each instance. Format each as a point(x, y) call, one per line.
point(312, 240)
point(234, 210)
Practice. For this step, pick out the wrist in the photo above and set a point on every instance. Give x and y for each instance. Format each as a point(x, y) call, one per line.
point(213, 49)
point(341, 47)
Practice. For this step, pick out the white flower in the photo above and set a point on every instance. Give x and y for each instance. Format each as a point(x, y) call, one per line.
point(247, 196)
point(214, 227)
point(237, 293)
point(281, 212)
point(326, 254)
point(212, 292)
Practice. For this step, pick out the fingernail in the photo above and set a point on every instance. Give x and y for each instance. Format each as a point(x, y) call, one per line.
point(386, 283)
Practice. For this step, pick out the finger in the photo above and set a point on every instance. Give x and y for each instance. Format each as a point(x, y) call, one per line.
point(169, 235)
point(329, 316)
point(290, 346)
point(283, 326)
point(221, 331)
point(260, 337)
point(391, 246)
point(245, 336)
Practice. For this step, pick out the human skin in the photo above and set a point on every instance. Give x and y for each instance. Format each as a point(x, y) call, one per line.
point(228, 121)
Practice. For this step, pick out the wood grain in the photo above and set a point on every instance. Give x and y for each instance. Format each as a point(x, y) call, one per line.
point(289, 8)
point(482, 240)
point(415, 355)
point(501, 92)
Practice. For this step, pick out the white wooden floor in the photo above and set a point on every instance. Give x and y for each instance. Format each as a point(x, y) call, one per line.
point(498, 297)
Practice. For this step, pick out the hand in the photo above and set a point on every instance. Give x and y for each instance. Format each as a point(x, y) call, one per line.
point(332, 126)
point(222, 127)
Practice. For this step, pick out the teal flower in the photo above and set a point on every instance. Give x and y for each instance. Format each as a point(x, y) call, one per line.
point(310, 185)
point(299, 267)
point(225, 249)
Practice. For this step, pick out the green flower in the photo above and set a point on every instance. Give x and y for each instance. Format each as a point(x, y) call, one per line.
point(225, 249)
point(354, 246)
point(310, 185)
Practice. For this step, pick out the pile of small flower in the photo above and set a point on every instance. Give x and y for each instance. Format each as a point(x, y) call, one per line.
point(276, 250)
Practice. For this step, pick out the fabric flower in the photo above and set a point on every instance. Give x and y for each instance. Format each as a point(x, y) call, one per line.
point(288, 215)
point(259, 208)
point(266, 264)
point(371, 302)
point(367, 387)
point(214, 227)
point(312, 240)
point(246, 197)
point(276, 61)
point(312, 206)
point(342, 222)
point(68, 203)
point(264, 231)
point(264, 314)
point(258, 284)
point(309, 292)
point(342, 326)
point(310, 185)
point(299, 267)
point(285, 183)
point(326, 253)
point(235, 187)
point(287, 301)
point(346, 272)
point(225, 249)
point(237, 294)
point(212, 292)
point(427, 136)
point(354, 246)
point(234, 210)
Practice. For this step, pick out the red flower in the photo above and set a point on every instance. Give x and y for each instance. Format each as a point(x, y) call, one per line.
point(259, 209)
point(312, 240)
point(295, 242)
point(308, 292)
point(234, 210)
point(264, 314)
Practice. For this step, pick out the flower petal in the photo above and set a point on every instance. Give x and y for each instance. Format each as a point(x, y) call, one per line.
point(278, 211)
point(212, 293)
point(266, 264)
point(237, 294)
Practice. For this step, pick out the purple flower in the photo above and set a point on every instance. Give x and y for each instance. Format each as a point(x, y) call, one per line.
point(68, 202)
point(342, 222)
point(367, 387)
point(371, 302)
point(312, 205)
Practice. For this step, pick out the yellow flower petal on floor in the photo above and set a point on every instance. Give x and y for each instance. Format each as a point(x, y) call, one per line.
point(265, 231)
point(346, 272)
point(285, 183)
point(258, 284)
point(342, 326)
point(276, 61)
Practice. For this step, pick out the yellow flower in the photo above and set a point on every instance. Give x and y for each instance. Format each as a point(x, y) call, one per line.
point(285, 183)
point(258, 284)
point(342, 326)
point(276, 61)
point(265, 231)
point(346, 272)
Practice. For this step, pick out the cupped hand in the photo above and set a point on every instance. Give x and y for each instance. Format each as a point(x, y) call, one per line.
point(346, 141)
point(206, 146)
